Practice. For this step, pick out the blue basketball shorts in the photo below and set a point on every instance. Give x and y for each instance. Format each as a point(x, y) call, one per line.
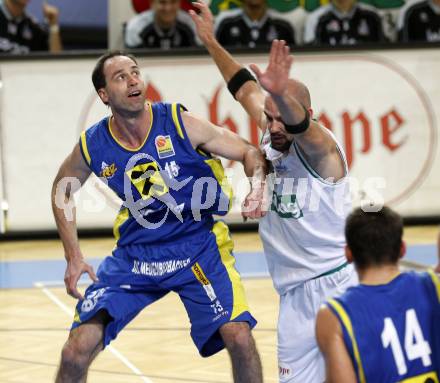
point(200, 269)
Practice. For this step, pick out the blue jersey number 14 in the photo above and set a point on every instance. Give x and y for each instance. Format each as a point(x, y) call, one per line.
point(415, 345)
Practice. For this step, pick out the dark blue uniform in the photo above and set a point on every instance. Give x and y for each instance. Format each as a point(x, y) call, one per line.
point(167, 239)
point(391, 331)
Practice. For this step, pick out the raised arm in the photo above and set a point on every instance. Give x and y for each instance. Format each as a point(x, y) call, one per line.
point(51, 14)
point(293, 102)
point(249, 95)
point(338, 365)
point(71, 176)
point(220, 141)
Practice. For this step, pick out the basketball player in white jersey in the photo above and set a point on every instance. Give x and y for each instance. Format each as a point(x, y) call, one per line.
point(303, 230)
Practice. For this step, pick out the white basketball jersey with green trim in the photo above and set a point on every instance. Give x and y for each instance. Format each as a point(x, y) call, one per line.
point(303, 230)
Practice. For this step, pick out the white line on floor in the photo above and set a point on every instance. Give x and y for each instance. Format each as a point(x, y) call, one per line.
point(115, 352)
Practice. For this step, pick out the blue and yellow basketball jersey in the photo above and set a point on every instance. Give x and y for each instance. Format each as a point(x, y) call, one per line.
point(168, 189)
point(391, 331)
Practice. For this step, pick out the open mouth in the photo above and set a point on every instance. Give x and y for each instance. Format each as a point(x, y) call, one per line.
point(135, 93)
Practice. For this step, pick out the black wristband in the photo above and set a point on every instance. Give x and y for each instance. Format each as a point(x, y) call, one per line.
point(301, 127)
point(238, 79)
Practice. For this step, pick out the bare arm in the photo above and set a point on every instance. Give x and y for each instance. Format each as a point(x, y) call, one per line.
point(317, 145)
point(220, 141)
point(51, 14)
point(250, 94)
point(71, 176)
point(339, 368)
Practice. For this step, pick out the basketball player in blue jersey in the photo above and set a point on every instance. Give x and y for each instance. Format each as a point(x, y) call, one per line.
point(157, 158)
point(386, 329)
point(303, 242)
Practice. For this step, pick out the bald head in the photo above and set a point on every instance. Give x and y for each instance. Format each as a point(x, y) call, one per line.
point(300, 92)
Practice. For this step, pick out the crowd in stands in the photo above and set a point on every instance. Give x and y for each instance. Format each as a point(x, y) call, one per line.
point(165, 24)
point(255, 23)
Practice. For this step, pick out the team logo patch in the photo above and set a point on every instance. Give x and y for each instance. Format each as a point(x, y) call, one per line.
point(201, 277)
point(164, 146)
point(108, 171)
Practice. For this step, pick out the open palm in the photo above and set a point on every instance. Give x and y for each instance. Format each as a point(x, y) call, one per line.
point(274, 79)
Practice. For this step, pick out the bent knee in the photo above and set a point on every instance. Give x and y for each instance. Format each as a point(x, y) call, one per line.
point(81, 347)
point(237, 335)
point(73, 357)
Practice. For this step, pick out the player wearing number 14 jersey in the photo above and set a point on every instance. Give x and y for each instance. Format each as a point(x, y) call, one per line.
point(385, 330)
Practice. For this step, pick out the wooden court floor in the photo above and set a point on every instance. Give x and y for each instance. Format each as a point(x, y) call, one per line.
point(155, 347)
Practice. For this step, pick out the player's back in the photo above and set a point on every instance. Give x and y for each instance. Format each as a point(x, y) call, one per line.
point(390, 330)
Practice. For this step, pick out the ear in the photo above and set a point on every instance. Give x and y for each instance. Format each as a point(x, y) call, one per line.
point(310, 110)
point(103, 96)
point(348, 254)
point(402, 250)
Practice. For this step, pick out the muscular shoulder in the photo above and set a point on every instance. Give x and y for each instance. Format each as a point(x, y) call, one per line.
point(327, 326)
point(197, 128)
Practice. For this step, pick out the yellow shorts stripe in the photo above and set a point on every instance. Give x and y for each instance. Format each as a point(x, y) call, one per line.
point(119, 221)
point(422, 378)
point(436, 281)
point(175, 115)
point(84, 148)
point(200, 275)
point(76, 317)
point(347, 324)
point(225, 246)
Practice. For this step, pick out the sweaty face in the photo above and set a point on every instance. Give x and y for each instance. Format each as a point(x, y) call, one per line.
point(125, 88)
point(280, 139)
point(166, 11)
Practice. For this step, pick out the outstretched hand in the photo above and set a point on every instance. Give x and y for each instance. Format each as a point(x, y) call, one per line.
point(75, 268)
point(204, 21)
point(274, 79)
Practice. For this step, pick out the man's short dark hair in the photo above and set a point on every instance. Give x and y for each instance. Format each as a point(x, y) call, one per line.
point(98, 77)
point(374, 238)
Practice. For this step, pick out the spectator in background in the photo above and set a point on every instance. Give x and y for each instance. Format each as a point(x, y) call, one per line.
point(344, 22)
point(20, 33)
point(420, 21)
point(252, 26)
point(165, 26)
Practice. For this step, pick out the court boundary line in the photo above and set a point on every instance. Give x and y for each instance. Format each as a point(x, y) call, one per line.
point(113, 350)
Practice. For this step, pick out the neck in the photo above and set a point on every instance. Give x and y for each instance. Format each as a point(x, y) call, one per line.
point(131, 129)
point(343, 6)
point(255, 13)
point(16, 10)
point(163, 25)
point(378, 275)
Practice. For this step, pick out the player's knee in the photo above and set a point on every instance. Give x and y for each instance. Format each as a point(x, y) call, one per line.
point(237, 337)
point(74, 357)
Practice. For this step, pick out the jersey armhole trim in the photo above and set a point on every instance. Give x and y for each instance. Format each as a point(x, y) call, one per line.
point(177, 119)
point(436, 281)
point(345, 319)
point(83, 148)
